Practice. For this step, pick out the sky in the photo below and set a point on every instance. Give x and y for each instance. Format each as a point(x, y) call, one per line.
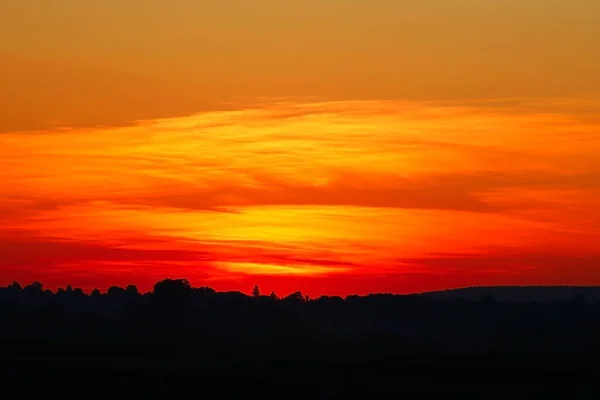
point(330, 146)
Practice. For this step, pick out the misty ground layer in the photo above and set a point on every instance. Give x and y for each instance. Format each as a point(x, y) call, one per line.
point(178, 338)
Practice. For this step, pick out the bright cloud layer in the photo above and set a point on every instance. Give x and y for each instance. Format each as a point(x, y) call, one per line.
point(389, 196)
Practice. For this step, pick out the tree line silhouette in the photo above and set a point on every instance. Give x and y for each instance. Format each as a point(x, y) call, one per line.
point(176, 327)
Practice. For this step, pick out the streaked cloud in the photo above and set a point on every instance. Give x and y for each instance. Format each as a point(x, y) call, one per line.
point(298, 190)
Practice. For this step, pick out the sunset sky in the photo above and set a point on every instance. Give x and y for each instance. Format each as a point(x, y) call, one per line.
point(327, 146)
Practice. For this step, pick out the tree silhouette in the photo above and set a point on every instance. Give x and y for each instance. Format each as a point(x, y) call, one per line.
point(202, 315)
point(172, 293)
point(132, 290)
point(115, 291)
point(35, 287)
point(296, 297)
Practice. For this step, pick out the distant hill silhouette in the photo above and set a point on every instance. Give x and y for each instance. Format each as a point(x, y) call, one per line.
point(520, 294)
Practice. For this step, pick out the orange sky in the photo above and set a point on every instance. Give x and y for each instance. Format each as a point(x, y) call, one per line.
point(320, 146)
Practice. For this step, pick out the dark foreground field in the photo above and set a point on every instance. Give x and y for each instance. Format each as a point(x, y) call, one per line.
point(309, 370)
point(179, 341)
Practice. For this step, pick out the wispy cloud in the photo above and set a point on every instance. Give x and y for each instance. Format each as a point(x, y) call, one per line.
point(289, 189)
